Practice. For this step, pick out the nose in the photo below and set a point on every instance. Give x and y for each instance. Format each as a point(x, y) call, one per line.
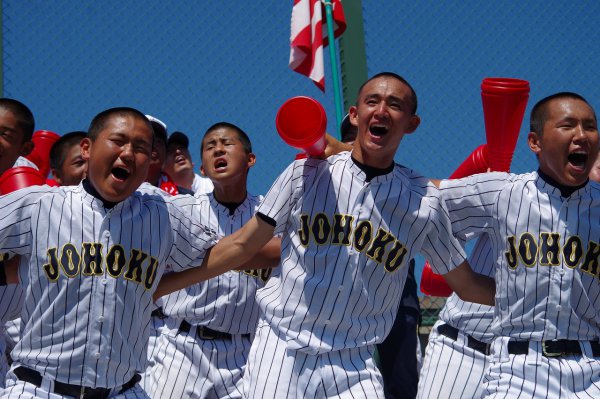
point(381, 109)
point(126, 152)
point(580, 133)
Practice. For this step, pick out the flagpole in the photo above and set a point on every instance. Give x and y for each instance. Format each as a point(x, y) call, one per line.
point(339, 111)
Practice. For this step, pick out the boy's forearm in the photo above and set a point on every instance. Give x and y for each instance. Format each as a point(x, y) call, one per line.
point(471, 286)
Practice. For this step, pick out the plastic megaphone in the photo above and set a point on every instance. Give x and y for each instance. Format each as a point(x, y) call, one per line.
point(20, 177)
point(40, 155)
point(301, 123)
point(504, 102)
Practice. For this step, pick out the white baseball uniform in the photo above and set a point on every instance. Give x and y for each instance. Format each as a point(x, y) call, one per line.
point(11, 302)
point(203, 349)
point(88, 289)
point(457, 354)
point(546, 248)
point(346, 242)
point(202, 184)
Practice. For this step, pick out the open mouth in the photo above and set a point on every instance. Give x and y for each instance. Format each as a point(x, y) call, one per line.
point(120, 173)
point(378, 131)
point(578, 159)
point(220, 163)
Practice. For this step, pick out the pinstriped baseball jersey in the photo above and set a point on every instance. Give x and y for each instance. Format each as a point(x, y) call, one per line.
point(472, 318)
point(345, 246)
point(546, 248)
point(227, 302)
point(92, 271)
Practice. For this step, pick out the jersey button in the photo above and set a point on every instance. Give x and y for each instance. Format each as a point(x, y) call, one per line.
point(341, 288)
point(561, 272)
point(558, 308)
point(100, 319)
point(103, 281)
point(97, 355)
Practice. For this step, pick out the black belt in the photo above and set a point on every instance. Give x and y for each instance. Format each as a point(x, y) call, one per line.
point(452, 332)
point(554, 348)
point(206, 333)
point(78, 391)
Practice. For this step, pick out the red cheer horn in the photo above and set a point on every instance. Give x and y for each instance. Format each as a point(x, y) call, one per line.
point(301, 123)
point(504, 102)
point(20, 177)
point(40, 155)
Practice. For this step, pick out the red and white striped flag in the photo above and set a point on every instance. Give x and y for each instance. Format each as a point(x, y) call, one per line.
point(307, 41)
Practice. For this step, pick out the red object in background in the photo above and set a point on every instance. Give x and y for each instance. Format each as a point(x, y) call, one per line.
point(40, 156)
point(301, 123)
point(504, 102)
point(307, 41)
point(433, 284)
point(20, 177)
point(51, 183)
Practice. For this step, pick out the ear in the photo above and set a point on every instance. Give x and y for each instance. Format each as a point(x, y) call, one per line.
point(414, 123)
point(534, 142)
point(202, 170)
point(26, 148)
point(86, 145)
point(251, 160)
point(353, 114)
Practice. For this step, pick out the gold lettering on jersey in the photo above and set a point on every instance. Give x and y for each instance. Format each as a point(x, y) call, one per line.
point(383, 248)
point(304, 232)
point(380, 241)
point(511, 254)
point(92, 259)
point(528, 249)
point(321, 228)
point(51, 268)
point(395, 257)
point(138, 267)
point(70, 260)
point(342, 226)
point(151, 273)
point(134, 269)
point(573, 251)
point(590, 263)
point(115, 260)
point(549, 249)
point(261, 274)
point(546, 251)
point(362, 235)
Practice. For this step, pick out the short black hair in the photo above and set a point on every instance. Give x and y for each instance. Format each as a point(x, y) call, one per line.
point(100, 120)
point(413, 94)
point(539, 112)
point(242, 136)
point(58, 152)
point(23, 115)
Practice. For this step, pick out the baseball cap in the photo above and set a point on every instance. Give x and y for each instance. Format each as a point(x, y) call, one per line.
point(159, 127)
point(179, 138)
point(347, 130)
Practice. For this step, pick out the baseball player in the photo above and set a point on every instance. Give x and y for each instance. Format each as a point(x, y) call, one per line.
point(95, 253)
point(458, 350)
point(180, 167)
point(545, 238)
point(349, 226)
point(16, 129)
point(66, 163)
point(203, 350)
point(400, 353)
